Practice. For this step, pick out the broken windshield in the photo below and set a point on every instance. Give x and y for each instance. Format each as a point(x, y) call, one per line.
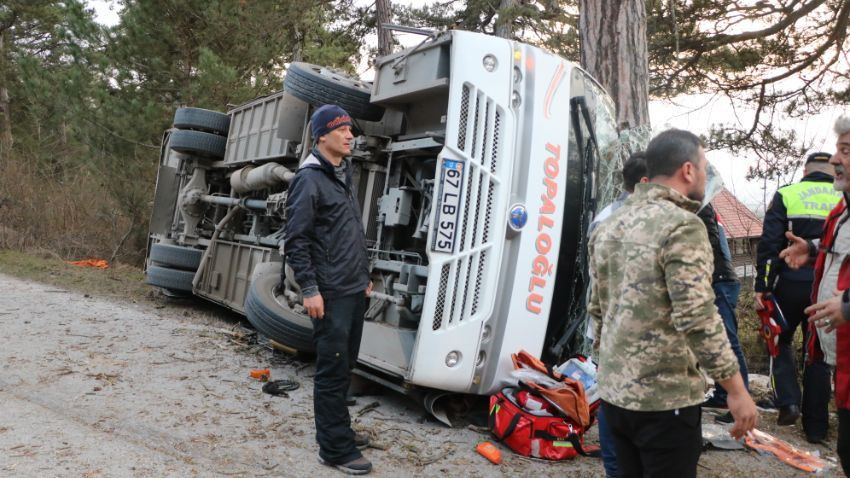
point(594, 158)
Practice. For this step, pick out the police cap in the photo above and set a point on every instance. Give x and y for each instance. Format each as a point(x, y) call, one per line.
point(821, 157)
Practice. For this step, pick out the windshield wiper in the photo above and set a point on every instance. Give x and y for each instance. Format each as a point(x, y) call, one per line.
point(579, 113)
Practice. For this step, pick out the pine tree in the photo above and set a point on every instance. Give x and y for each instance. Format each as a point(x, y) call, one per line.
point(781, 56)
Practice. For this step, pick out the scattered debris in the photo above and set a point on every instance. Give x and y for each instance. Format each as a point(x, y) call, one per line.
point(718, 436)
point(262, 374)
point(368, 408)
point(280, 387)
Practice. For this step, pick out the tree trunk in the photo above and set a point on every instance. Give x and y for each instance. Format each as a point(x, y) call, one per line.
point(383, 12)
point(298, 49)
point(613, 50)
point(6, 138)
point(504, 25)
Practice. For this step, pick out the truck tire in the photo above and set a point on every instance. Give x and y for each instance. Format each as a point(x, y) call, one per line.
point(202, 120)
point(274, 320)
point(171, 279)
point(198, 143)
point(177, 257)
point(319, 86)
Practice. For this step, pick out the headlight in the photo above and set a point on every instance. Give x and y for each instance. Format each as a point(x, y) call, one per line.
point(453, 358)
point(490, 63)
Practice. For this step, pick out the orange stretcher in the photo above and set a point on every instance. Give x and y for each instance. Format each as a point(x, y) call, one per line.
point(801, 460)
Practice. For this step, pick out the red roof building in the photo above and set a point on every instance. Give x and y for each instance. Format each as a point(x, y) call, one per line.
point(743, 231)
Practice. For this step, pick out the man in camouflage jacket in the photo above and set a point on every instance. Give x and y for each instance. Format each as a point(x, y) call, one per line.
point(655, 318)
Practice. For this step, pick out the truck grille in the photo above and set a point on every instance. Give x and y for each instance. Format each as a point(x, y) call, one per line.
point(441, 301)
point(479, 141)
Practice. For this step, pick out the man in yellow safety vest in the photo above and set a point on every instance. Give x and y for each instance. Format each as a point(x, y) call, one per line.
point(802, 209)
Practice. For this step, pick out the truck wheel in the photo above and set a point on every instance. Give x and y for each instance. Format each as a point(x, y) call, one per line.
point(268, 313)
point(198, 143)
point(202, 120)
point(171, 279)
point(319, 86)
point(178, 257)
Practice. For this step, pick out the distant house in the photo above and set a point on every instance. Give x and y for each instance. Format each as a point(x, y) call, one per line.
point(743, 230)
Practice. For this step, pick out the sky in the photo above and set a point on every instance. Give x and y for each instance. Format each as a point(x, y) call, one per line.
point(696, 113)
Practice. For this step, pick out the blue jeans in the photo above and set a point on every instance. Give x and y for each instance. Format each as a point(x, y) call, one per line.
point(726, 300)
point(606, 445)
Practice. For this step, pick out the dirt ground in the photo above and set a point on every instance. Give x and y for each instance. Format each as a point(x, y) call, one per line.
point(99, 387)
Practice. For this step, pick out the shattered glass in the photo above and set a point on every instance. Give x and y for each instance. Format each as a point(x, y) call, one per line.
point(614, 148)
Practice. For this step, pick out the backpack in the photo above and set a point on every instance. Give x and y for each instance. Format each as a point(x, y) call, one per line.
point(569, 397)
point(536, 429)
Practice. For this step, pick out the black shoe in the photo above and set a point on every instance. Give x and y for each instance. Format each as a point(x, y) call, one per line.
point(714, 402)
point(788, 415)
point(766, 403)
point(350, 400)
point(359, 466)
point(816, 439)
point(725, 418)
point(361, 440)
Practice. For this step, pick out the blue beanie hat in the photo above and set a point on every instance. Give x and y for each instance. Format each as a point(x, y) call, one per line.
point(328, 118)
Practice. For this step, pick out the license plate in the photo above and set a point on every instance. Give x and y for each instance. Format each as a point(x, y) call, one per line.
point(448, 206)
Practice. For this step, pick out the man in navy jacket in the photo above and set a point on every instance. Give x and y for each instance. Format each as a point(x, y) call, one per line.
point(325, 245)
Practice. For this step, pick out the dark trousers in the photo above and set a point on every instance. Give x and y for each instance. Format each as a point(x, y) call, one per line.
point(337, 340)
point(726, 299)
point(793, 297)
point(656, 444)
point(844, 439)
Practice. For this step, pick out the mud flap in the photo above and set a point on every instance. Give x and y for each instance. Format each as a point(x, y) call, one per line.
point(435, 403)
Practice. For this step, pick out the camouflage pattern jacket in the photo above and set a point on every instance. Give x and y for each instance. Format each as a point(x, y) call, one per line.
point(653, 305)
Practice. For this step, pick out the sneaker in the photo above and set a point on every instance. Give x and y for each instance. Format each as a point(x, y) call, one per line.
point(359, 466)
point(350, 400)
point(725, 418)
point(788, 415)
point(361, 440)
point(714, 402)
point(766, 404)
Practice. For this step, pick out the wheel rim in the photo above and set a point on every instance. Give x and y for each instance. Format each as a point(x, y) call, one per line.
point(277, 299)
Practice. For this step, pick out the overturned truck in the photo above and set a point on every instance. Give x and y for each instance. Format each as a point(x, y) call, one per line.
point(477, 163)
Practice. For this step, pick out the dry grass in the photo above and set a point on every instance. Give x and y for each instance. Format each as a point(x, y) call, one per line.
point(119, 281)
point(68, 212)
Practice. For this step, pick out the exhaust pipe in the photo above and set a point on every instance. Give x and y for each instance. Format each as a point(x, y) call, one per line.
point(252, 178)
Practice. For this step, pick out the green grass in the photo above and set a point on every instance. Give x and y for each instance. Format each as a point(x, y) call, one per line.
point(119, 280)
